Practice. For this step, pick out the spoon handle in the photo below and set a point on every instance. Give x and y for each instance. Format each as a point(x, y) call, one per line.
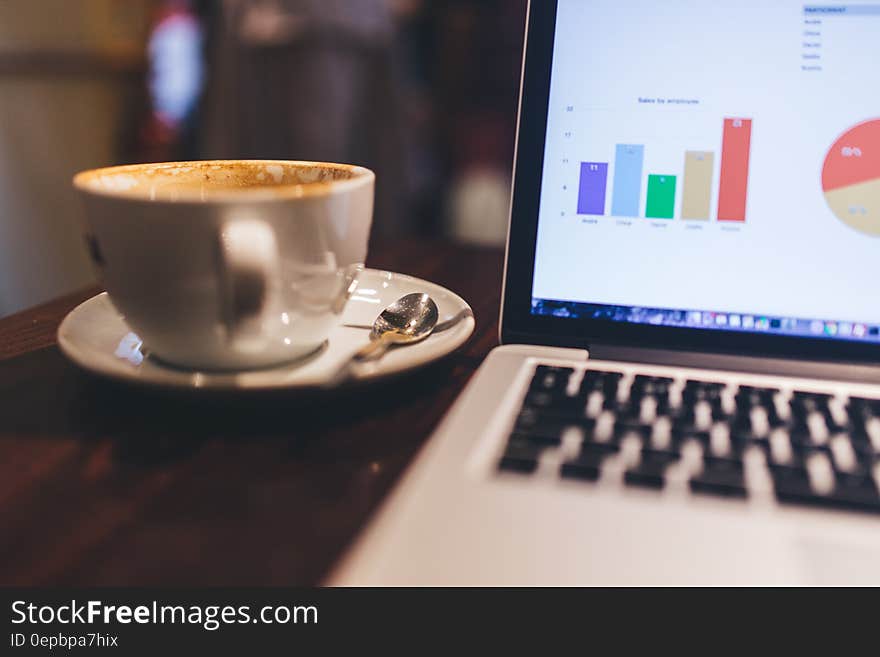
point(371, 351)
point(375, 349)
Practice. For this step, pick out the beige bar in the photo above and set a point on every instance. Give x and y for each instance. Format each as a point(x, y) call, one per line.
point(697, 195)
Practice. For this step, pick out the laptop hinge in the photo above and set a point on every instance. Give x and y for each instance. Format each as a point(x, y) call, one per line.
point(861, 372)
point(550, 353)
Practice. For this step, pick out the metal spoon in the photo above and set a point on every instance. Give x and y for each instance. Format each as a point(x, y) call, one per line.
point(442, 325)
point(409, 319)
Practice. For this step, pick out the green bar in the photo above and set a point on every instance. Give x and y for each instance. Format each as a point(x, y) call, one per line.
point(661, 197)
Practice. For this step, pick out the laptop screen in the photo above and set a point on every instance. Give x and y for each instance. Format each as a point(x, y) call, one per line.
point(714, 165)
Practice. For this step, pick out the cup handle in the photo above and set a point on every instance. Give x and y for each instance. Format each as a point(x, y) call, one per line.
point(248, 271)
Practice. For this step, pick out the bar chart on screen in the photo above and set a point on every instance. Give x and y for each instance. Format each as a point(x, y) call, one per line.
point(690, 185)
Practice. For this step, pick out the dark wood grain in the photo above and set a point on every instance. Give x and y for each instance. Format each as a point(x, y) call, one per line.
point(74, 63)
point(35, 328)
point(102, 484)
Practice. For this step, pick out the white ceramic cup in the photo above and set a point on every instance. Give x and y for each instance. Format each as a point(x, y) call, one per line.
point(231, 264)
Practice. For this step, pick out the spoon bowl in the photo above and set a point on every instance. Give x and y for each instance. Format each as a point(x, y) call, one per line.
point(411, 317)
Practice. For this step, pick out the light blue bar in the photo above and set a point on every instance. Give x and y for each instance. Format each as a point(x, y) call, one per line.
point(628, 162)
point(842, 10)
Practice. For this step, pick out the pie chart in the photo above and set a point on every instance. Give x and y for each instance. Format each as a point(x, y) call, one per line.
point(851, 177)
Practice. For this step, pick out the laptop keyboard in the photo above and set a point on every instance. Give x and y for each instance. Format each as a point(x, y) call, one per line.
point(712, 437)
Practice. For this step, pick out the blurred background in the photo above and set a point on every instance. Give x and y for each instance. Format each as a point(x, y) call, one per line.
point(422, 91)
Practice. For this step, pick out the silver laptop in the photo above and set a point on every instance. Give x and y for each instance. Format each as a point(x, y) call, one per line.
point(688, 389)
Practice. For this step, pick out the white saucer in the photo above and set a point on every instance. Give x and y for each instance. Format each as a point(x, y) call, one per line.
point(95, 336)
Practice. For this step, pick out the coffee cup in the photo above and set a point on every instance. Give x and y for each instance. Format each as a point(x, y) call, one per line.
point(229, 264)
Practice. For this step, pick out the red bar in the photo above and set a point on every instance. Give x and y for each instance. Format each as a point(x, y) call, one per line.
point(733, 188)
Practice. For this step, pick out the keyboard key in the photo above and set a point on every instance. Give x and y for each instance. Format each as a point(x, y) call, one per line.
point(680, 437)
point(650, 385)
point(742, 441)
point(595, 379)
point(865, 454)
point(811, 396)
point(845, 459)
point(648, 410)
point(521, 460)
point(646, 475)
point(742, 423)
point(796, 470)
point(717, 411)
point(781, 452)
point(792, 484)
point(872, 429)
point(538, 439)
point(587, 468)
point(704, 388)
point(624, 427)
point(555, 403)
point(629, 411)
point(863, 409)
point(539, 423)
point(804, 451)
point(540, 399)
point(551, 379)
point(604, 431)
point(749, 396)
point(703, 415)
point(610, 386)
point(818, 427)
point(852, 492)
point(719, 441)
point(857, 491)
point(821, 473)
point(760, 419)
point(684, 420)
point(610, 404)
point(797, 485)
point(751, 430)
point(594, 404)
point(800, 436)
point(651, 469)
point(720, 476)
point(812, 411)
point(652, 388)
point(591, 382)
point(598, 450)
point(836, 417)
point(668, 455)
point(774, 417)
point(661, 435)
point(588, 463)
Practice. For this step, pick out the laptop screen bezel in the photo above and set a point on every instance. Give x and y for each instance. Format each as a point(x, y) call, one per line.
point(519, 325)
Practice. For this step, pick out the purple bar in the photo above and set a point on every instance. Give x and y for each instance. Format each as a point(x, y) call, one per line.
point(591, 197)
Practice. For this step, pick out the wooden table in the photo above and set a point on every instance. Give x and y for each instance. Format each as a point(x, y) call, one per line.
point(106, 484)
